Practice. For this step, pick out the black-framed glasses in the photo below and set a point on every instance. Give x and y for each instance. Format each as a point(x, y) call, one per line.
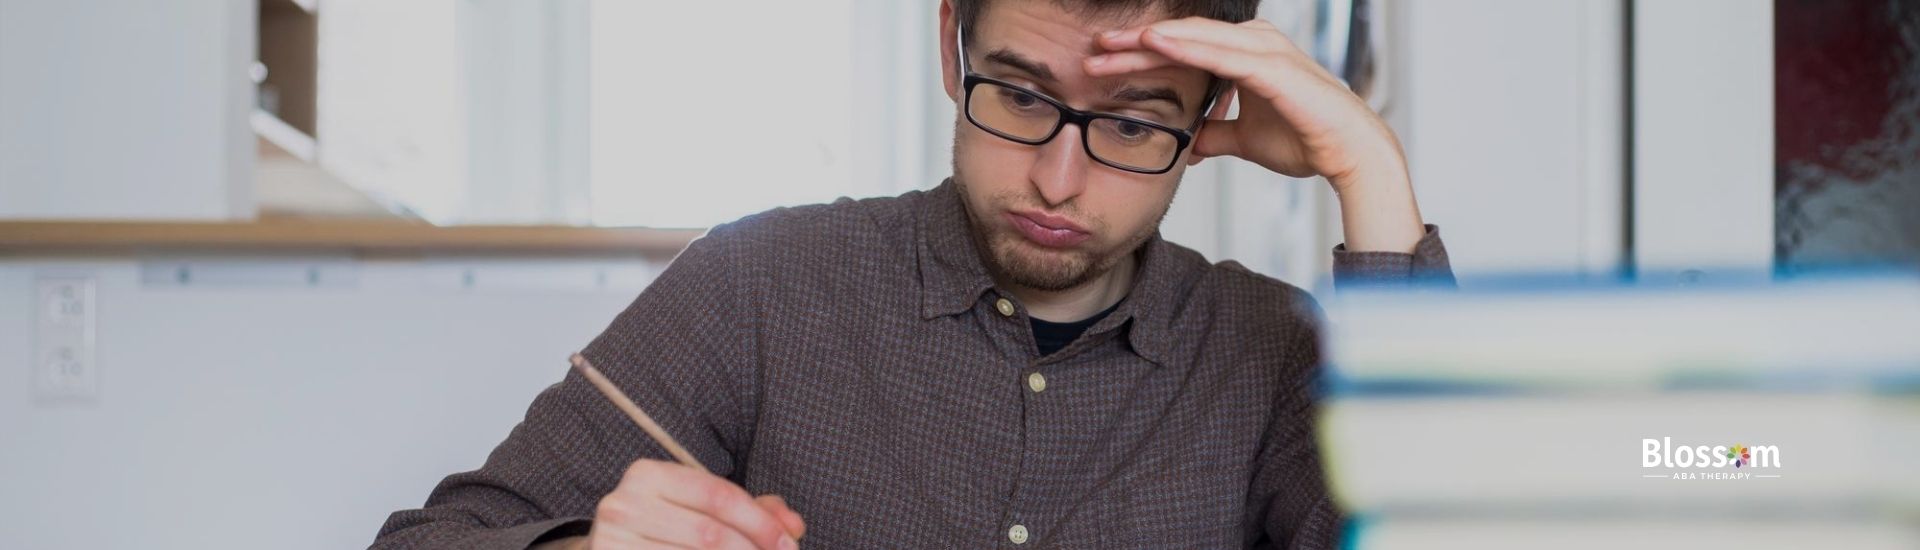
point(1028, 117)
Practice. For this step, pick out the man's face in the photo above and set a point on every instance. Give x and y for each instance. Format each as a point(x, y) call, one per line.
point(1047, 216)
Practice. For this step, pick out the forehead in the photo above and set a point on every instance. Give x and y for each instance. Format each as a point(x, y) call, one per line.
point(1062, 39)
point(1050, 29)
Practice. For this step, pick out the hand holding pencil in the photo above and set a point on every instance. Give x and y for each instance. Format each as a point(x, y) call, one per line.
point(660, 504)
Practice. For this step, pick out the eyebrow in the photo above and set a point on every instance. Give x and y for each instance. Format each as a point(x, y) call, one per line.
point(1007, 57)
point(1135, 95)
point(1129, 94)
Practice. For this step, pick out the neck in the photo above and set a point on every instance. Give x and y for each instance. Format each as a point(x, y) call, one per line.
point(1080, 302)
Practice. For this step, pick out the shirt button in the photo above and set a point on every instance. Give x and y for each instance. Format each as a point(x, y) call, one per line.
point(1017, 534)
point(1036, 382)
point(1005, 306)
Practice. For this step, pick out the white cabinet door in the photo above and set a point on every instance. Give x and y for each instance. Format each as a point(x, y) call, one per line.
point(1511, 113)
point(1703, 167)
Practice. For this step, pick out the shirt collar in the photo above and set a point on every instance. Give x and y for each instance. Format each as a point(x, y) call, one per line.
point(952, 277)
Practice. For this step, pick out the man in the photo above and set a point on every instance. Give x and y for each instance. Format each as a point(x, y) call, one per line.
point(1014, 358)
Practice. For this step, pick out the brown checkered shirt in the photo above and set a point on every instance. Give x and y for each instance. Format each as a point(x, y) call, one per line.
point(854, 358)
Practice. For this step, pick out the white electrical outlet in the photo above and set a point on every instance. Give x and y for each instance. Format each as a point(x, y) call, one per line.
point(64, 362)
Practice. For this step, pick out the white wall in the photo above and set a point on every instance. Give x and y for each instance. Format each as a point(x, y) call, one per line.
point(126, 108)
point(280, 416)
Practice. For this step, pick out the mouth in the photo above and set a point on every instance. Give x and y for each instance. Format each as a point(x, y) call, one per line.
point(1048, 230)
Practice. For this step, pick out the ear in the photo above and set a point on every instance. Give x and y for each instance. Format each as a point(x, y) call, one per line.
point(949, 40)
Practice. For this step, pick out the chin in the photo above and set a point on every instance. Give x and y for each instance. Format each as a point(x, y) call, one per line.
point(1037, 267)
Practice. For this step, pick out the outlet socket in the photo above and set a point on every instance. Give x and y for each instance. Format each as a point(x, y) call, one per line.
point(64, 364)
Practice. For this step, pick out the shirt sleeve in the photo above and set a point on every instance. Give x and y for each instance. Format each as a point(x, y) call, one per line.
point(1426, 266)
point(679, 350)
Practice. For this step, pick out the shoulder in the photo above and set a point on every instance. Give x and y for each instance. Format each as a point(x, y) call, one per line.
point(1264, 295)
point(799, 236)
point(1228, 294)
point(812, 249)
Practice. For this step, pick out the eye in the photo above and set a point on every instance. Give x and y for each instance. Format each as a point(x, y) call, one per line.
point(1021, 101)
point(1131, 130)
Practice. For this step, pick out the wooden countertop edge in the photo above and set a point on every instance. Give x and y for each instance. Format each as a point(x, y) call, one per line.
point(365, 236)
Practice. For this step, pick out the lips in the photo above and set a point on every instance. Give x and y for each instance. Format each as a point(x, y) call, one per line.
point(1048, 230)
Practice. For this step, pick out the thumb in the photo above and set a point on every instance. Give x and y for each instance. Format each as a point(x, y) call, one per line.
point(789, 518)
point(1217, 138)
point(1215, 118)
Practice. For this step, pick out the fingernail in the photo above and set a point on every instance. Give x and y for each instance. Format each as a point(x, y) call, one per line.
point(1095, 61)
point(1110, 35)
point(787, 543)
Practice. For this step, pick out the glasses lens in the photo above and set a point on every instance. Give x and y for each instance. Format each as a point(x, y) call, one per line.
point(1131, 144)
point(1012, 112)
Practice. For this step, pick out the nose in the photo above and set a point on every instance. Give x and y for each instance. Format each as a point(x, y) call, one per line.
point(1060, 172)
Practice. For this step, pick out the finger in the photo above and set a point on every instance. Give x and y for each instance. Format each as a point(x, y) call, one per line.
point(796, 525)
point(622, 521)
point(1223, 104)
point(1126, 62)
point(1217, 138)
point(684, 527)
point(648, 543)
point(1260, 75)
point(732, 506)
point(1253, 36)
point(1215, 117)
point(1229, 63)
point(712, 496)
point(605, 534)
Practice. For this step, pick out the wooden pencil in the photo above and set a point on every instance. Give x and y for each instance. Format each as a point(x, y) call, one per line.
point(633, 411)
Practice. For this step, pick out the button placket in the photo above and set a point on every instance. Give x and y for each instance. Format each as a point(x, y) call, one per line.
point(1018, 533)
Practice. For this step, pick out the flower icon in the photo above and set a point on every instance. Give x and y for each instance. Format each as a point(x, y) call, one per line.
point(1739, 455)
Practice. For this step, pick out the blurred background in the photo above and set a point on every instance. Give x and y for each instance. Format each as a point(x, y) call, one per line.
point(269, 269)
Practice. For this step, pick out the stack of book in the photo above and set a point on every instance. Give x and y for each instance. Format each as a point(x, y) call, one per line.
point(1779, 415)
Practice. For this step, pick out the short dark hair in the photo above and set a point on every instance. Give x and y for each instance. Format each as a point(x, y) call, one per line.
point(967, 12)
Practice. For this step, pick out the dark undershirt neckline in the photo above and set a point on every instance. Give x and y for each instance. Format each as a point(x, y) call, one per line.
point(1052, 337)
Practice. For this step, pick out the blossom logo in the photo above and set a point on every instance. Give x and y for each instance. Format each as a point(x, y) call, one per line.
point(1739, 455)
point(1707, 462)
